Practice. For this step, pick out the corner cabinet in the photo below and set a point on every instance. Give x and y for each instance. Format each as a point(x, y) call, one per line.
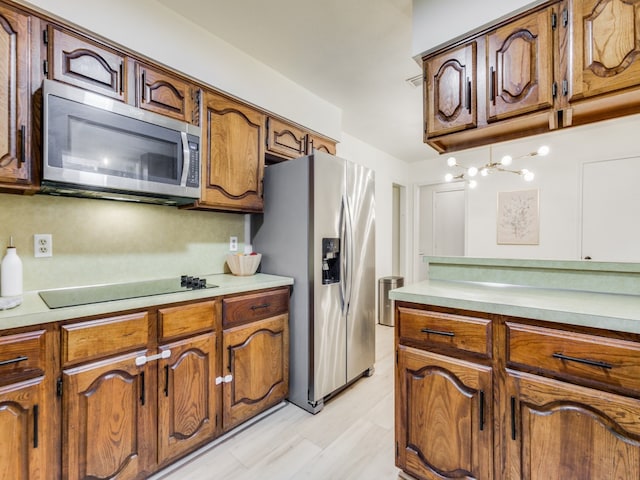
point(232, 155)
point(489, 396)
point(16, 170)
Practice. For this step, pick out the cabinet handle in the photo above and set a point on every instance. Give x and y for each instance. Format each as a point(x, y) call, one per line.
point(513, 418)
point(438, 332)
point(492, 81)
point(144, 84)
point(481, 410)
point(143, 396)
point(121, 77)
point(258, 307)
point(230, 358)
point(14, 360)
point(584, 361)
point(36, 419)
point(468, 96)
point(23, 144)
point(166, 380)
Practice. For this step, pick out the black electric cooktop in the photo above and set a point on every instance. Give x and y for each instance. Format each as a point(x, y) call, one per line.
point(74, 296)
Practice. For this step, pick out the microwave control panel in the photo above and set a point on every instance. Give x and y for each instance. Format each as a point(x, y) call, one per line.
point(193, 176)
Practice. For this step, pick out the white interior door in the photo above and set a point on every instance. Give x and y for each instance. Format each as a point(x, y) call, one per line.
point(610, 210)
point(440, 221)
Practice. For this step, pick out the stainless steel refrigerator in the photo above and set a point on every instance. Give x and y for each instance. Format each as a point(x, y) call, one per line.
point(318, 227)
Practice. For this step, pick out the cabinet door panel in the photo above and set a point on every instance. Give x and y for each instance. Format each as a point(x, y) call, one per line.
point(257, 356)
point(15, 98)
point(186, 395)
point(322, 145)
point(106, 420)
point(233, 155)
point(565, 431)
point(450, 91)
point(445, 426)
point(606, 46)
point(285, 140)
point(87, 65)
point(520, 66)
point(22, 455)
point(166, 94)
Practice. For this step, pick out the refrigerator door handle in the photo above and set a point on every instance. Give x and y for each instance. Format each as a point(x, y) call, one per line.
point(348, 255)
point(343, 259)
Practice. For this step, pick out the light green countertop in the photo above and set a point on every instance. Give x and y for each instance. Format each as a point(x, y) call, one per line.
point(33, 311)
point(600, 295)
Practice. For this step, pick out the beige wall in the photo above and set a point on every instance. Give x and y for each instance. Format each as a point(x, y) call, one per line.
point(101, 241)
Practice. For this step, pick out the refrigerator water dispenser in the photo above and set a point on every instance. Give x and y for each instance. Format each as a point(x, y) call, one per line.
point(330, 261)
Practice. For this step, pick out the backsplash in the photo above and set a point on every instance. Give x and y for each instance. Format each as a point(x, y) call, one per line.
point(101, 241)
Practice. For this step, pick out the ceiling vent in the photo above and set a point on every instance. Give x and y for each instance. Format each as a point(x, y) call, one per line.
point(415, 81)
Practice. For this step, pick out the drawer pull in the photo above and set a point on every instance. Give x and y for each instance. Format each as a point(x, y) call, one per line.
point(13, 360)
point(258, 307)
point(438, 332)
point(593, 363)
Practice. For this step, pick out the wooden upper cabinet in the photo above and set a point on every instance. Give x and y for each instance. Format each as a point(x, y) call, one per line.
point(520, 69)
point(284, 139)
point(232, 155)
point(605, 46)
point(450, 91)
point(15, 100)
point(86, 64)
point(316, 143)
point(167, 94)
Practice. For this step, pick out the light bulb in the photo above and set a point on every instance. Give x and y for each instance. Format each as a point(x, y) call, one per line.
point(528, 176)
point(506, 160)
point(473, 171)
point(484, 172)
point(451, 161)
point(473, 184)
point(543, 150)
point(448, 177)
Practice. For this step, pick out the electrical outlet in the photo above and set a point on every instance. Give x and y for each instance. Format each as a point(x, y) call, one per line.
point(42, 245)
point(233, 244)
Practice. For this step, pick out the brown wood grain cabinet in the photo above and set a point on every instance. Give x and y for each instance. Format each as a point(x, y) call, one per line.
point(284, 139)
point(232, 155)
point(25, 408)
point(79, 61)
point(255, 354)
point(321, 144)
point(560, 64)
point(491, 396)
point(16, 171)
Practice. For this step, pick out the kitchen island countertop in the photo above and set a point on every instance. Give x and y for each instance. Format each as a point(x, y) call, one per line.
point(33, 310)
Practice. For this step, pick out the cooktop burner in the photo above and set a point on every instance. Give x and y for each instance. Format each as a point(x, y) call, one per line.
point(74, 296)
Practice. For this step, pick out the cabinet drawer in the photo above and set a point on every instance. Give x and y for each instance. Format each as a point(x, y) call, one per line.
point(590, 357)
point(470, 334)
point(22, 354)
point(248, 308)
point(105, 336)
point(186, 319)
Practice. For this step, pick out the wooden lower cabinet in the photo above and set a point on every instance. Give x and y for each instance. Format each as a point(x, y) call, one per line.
point(544, 401)
point(187, 406)
point(107, 420)
point(561, 430)
point(443, 416)
point(256, 355)
point(22, 448)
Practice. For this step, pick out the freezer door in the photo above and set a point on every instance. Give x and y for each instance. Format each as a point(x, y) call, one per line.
point(329, 331)
point(359, 248)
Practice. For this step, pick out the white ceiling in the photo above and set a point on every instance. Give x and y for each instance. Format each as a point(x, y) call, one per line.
point(355, 54)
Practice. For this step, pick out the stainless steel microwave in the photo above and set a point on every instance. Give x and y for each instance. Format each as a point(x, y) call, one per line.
point(98, 147)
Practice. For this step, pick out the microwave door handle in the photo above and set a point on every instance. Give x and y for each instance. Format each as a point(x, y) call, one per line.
point(186, 159)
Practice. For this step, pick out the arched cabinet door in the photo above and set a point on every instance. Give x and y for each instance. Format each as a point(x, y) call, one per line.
point(86, 64)
point(232, 155)
point(605, 46)
point(443, 416)
point(450, 83)
point(520, 69)
point(15, 100)
point(560, 430)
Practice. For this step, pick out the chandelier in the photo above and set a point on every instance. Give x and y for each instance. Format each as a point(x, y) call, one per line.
point(469, 173)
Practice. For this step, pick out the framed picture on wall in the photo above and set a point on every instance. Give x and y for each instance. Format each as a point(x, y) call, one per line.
point(518, 218)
